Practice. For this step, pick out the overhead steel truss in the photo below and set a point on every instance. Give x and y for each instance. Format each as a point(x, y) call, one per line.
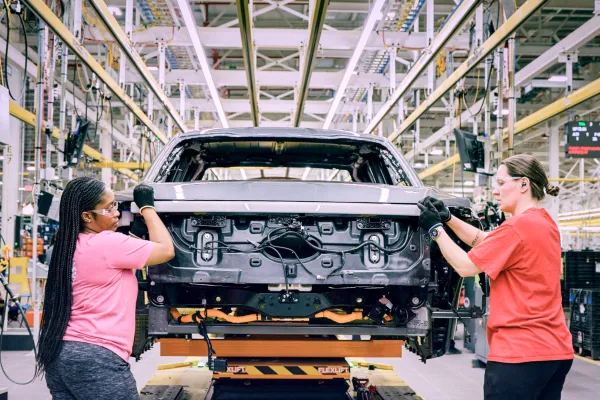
point(455, 21)
point(30, 119)
point(520, 16)
point(563, 104)
point(136, 60)
point(56, 25)
point(524, 76)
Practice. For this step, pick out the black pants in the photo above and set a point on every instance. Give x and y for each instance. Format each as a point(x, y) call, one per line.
point(540, 380)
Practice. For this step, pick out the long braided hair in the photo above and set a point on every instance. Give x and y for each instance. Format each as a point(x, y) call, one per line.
point(80, 195)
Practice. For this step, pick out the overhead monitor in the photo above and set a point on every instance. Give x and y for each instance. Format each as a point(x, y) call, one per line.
point(583, 139)
point(74, 143)
point(48, 205)
point(470, 150)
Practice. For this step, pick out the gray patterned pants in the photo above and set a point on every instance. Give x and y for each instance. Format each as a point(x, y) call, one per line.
point(85, 371)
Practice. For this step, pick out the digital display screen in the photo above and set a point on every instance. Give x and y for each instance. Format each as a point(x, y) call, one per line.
point(583, 139)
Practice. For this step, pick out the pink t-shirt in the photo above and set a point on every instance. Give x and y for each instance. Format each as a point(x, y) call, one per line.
point(105, 290)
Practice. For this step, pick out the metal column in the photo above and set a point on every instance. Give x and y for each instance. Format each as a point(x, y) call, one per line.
point(106, 148)
point(553, 167)
point(370, 103)
point(11, 164)
point(499, 107)
point(182, 99)
point(430, 37)
point(581, 177)
point(36, 182)
point(512, 100)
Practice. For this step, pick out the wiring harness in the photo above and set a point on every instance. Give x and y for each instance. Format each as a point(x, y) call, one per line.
point(295, 229)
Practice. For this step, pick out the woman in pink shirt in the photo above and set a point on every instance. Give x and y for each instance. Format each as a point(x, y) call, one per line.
point(88, 323)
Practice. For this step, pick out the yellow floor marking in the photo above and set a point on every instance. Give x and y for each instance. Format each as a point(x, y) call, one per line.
point(588, 359)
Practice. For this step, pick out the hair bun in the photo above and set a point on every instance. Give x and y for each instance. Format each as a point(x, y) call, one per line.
point(552, 190)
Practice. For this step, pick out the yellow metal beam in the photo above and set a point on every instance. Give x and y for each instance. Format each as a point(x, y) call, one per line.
point(310, 59)
point(478, 55)
point(245, 24)
point(136, 60)
point(587, 222)
point(119, 164)
point(440, 166)
point(574, 179)
point(563, 104)
point(29, 118)
point(55, 24)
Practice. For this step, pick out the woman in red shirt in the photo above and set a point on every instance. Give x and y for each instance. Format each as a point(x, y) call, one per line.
point(531, 348)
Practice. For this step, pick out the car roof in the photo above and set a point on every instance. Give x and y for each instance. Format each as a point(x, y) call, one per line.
point(283, 132)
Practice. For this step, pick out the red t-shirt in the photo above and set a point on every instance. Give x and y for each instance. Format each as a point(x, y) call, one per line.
point(523, 259)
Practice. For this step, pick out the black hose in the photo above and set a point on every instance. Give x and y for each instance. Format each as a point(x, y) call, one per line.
point(6, 54)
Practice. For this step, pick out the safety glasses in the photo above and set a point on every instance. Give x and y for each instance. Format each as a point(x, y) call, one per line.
point(112, 209)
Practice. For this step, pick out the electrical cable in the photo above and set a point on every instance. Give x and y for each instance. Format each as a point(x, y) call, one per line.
point(74, 77)
point(467, 334)
point(268, 244)
point(15, 300)
point(7, 8)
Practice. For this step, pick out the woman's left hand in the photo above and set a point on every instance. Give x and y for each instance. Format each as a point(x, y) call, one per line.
point(429, 218)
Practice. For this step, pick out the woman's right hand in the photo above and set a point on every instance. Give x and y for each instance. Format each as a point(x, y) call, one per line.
point(440, 207)
point(143, 195)
point(163, 249)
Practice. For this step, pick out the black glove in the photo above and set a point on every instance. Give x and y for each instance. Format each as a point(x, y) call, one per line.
point(429, 218)
point(138, 228)
point(143, 195)
point(440, 207)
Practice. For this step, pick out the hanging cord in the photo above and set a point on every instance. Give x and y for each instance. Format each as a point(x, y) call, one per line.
point(5, 77)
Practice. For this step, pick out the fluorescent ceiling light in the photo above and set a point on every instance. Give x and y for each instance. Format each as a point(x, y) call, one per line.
point(418, 165)
point(116, 11)
point(374, 16)
point(557, 78)
point(190, 24)
point(30, 168)
point(469, 183)
point(436, 152)
point(152, 68)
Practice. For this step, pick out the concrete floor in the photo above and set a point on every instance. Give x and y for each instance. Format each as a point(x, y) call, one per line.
point(450, 377)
